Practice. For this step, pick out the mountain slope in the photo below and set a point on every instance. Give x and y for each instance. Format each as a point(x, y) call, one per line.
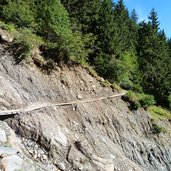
point(102, 135)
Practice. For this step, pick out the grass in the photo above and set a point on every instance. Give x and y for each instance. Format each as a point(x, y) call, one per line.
point(106, 83)
point(116, 87)
point(158, 113)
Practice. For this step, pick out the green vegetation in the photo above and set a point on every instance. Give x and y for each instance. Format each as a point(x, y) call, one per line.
point(90, 69)
point(25, 41)
point(102, 36)
point(18, 12)
point(9, 27)
point(138, 100)
point(116, 87)
point(158, 129)
point(158, 113)
point(44, 23)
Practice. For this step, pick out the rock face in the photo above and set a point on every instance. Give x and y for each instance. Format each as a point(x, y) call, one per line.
point(5, 36)
point(97, 136)
point(12, 157)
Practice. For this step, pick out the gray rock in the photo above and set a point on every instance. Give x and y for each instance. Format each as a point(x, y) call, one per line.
point(12, 163)
point(8, 151)
point(5, 36)
point(3, 137)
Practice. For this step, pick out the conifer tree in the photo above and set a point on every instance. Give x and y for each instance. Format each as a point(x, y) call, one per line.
point(154, 20)
point(121, 30)
point(104, 41)
point(134, 16)
point(169, 46)
point(52, 19)
point(84, 14)
point(105, 27)
point(153, 59)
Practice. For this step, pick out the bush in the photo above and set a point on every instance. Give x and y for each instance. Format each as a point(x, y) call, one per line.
point(127, 65)
point(75, 48)
point(52, 19)
point(25, 41)
point(18, 12)
point(104, 65)
point(133, 100)
point(90, 69)
point(106, 83)
point(146, 100)
point(8, 27)
point(138, 100)
point(67, 48)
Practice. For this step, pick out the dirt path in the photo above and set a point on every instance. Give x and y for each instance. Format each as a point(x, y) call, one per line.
point(40, 105)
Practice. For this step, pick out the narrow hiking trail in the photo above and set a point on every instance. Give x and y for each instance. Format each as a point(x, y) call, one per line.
point(40, 105)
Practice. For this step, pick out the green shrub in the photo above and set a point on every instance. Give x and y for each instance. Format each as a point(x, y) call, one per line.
point(104, 65)
point(133, 100)
point(25, 41)
point(52, 19)
point(127, 64)
point(19, 12)
point(126, 84)
point(67, 48)
point(138, 100)
point(8, 27)
point(74, 46)
point(146, 100)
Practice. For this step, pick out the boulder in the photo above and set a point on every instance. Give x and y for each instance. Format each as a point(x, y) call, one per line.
point(5, 36)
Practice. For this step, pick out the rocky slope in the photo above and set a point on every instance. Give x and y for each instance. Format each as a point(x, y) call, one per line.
point(102, 135)
point(13, 155)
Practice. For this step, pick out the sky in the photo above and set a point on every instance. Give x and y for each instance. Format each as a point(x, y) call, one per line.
point(143, 8)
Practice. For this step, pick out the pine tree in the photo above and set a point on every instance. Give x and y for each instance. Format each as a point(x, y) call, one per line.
point(134, 16)
point(104, 40)
point(153, 59)
point(121, 30)
point(169, 46)
point(154, 20)
point(84, 14)
point(105, 27)
point(52, 19)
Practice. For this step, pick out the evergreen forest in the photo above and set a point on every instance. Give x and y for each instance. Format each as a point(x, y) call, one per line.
point(136, 55)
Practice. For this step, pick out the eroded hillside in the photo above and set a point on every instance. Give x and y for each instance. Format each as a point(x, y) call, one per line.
point(102, 135)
